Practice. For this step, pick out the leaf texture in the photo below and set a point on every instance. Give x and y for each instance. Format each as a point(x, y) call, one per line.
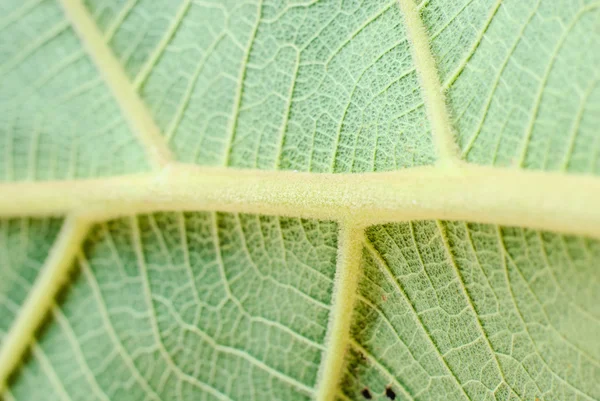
point(59, 120)
point(24, 247)
point(179, 302)
point(476, 312)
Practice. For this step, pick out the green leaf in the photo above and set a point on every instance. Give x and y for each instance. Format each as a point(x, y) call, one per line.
point(300, 199)
point(478, 312)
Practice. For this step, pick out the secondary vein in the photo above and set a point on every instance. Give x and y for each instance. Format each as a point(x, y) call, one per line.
point(41, 297)
point(431, 89)
point(340, 317)
point(134, 110)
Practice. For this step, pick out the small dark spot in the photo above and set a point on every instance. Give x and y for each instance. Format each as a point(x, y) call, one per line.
point(389, 393)
point(366, 394)
point(383, 297)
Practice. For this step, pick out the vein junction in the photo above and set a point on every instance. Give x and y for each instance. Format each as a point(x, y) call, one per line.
point(431, 89)
point(451, 190)
point(551, 201)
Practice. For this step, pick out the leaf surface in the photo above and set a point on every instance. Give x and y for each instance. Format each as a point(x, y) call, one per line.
point(162, 299)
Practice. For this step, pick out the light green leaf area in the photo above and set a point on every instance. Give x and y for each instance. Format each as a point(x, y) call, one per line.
point(24, 245)
point(321, 301)
point(59, 120)
point(300, 85)
point(476, 312)
point(524, 90)
point(190, 306)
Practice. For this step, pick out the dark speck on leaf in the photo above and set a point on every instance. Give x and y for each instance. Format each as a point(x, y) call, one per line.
point(389, 393)
point(366, 394)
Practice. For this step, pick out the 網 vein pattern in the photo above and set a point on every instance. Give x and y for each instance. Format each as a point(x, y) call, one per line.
point(54, 272)
point(202, 283)
point(523, 80)
point(25, 244)
point(197, 305)
point(133, 108)
point(434, 99)
point(60, 121)
point(476, 312)
point(317, 86)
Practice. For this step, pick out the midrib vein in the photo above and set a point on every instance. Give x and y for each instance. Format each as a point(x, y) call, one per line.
point(431, 89)
point(510, 197)
point(451, 191)
point(350, 244)
point(541, 200)
point(132, 107)
point(41, 297)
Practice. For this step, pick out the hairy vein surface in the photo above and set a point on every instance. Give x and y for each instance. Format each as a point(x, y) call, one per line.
point(430, 83)
point(232, 266)
point(350, 244)
point(551, 201)
point(124, 92)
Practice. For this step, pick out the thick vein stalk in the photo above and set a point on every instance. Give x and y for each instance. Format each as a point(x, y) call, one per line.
point(41, 297)
point(340, 315)
point(431, 89)
point(549, 201)
point(133, 108)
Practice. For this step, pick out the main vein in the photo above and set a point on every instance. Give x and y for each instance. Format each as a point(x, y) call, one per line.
point(41, 297)
point(133, 108)
point(451, 191)
point(541, 200)
point(431, 89)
